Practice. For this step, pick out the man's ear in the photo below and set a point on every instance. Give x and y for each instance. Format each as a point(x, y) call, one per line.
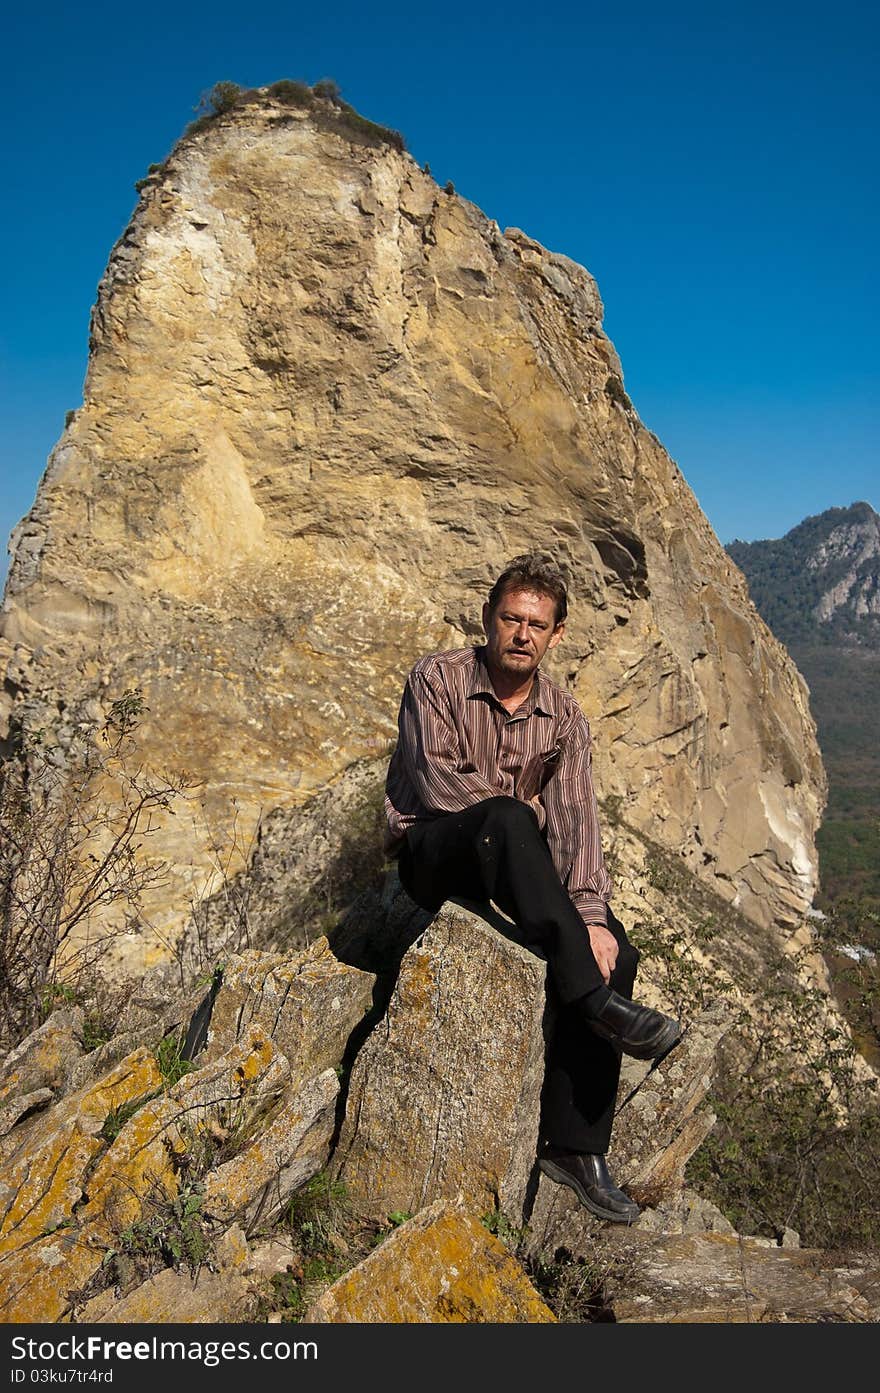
point(486, 613)
point(556, 635)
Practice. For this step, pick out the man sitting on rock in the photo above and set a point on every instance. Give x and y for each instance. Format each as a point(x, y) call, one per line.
point(489, 796)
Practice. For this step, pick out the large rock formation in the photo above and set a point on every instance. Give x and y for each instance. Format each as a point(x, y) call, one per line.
point(135, 1197)
point(325, 402)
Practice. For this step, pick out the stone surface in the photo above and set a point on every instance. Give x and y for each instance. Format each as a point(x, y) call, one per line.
point(66, 1192)
point(378, 928)
point(685, 1212)
point(140, 1162)
point(44, 1159)
point(301, 345)
point(305, 859)
point(441, 1266)
point(45, 1059)
point(256, 1185)
point(156, 1006)
point(308, 1003)
point(40, 1192)
point(227, 1293)
point(231, 1093)
point(46, 1177)
point(17, 1108)
point(444, 1095)
point(36, 1281)
point(722, 1277)
point(51, 1244)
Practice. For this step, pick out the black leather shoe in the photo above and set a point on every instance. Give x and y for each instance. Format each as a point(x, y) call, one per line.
point(588, 1176)
point(637, 1030)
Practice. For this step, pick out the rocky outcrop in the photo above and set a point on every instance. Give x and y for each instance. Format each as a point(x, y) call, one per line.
point(820, 583)
point(45, 1160)
point(444, 1095)
point(714, 1277)
point(132, 1164)
point(228, 1293)
point(308, 1004)
point(326, 401)
point(440, 1267)
point(135, 1198)
point(257, 1183)
point(41, 1067)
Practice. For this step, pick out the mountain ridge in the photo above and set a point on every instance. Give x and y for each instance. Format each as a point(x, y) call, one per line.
point(818, 588)
point(821, 581)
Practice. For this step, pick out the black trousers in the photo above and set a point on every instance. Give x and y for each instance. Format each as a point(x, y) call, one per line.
point(494, 850)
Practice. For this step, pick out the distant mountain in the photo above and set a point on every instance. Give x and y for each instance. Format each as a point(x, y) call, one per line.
point(818, 588)
point(821, 581)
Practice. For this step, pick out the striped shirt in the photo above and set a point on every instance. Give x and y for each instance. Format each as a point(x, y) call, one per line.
point(457, 745)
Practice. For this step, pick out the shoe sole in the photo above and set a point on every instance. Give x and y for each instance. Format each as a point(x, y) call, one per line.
point(563, 1178)
point(659, 1058)
point(656, 1049)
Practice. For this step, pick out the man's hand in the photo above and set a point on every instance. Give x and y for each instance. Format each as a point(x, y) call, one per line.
point(604, 946)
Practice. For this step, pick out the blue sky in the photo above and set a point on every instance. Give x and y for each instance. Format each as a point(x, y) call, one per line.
point(713, 166)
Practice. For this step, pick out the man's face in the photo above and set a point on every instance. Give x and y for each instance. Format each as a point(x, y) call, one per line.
point(519, 631)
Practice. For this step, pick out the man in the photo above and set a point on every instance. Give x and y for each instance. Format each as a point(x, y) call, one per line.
point(489, 796)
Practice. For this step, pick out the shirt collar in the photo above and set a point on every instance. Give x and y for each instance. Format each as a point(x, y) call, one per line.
point(538, 699)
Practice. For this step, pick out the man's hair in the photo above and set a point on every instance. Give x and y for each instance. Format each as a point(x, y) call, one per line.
point(534, 570)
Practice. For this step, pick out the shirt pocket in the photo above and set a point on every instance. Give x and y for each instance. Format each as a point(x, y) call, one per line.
point(549, 763)
point(537, 773)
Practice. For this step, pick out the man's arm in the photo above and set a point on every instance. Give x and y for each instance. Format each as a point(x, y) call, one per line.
point(572, 831)
point(430, 749)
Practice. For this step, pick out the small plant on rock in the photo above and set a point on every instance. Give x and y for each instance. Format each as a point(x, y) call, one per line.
point(291, 93)
point(497, 1222)
point(394, 1220)
point(574, 1290)
point(171, 1232)
point(172, 1065)
point(221, 98)
point(328, 90)
point(316, 1211)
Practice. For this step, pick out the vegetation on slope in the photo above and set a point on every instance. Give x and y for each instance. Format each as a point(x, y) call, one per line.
point(786, 584)
point(796, 1143)
point(840, 661)
point(323, 101)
